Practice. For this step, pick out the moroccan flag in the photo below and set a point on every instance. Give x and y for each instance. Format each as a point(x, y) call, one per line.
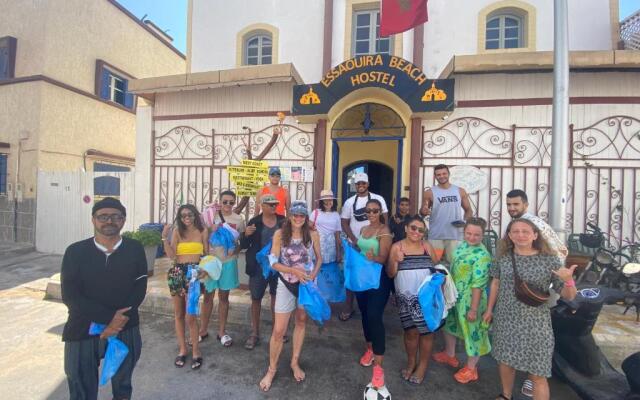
point(401, 15)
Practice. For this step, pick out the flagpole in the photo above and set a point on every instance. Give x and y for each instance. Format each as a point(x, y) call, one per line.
point(560, 127)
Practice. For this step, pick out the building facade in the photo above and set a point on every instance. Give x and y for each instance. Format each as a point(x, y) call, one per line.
point(471, 87)
point(64, 78)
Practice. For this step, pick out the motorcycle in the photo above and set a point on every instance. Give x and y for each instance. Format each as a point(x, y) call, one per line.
point(630, 283)
point(578, 360)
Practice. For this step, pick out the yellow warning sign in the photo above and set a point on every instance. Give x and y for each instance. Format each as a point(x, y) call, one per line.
point(249, 176)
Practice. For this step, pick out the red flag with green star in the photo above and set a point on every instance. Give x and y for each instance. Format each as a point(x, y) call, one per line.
point(401, 15)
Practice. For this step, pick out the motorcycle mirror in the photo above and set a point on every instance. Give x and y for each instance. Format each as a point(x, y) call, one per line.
point(631, 268)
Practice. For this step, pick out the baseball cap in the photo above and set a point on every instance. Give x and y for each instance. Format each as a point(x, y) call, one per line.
point(299, 207)
point(274, 171)
point(269, 199)
point(361, 177)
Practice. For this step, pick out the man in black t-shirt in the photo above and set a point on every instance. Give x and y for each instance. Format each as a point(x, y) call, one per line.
point(104, 281)
point(399, 220)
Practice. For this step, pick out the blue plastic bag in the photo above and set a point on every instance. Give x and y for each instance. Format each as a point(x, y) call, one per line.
point(331, 283)
point(360, 273)
point(316, 307)
point(193, 292)
point(223, 237)
point(431, 301)
point(263, 259)
point(114, 355)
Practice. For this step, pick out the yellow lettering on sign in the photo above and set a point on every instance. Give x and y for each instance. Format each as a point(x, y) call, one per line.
point(378, 60)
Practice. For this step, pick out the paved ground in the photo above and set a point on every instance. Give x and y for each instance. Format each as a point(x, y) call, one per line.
point(31, 354)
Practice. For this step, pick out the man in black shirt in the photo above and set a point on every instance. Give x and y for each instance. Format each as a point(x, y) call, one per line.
point(104, 280)
point(399, 220)
point(258, 233)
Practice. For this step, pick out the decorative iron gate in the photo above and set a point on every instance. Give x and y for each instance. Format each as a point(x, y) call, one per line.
point(604, 175)
point(190, 166)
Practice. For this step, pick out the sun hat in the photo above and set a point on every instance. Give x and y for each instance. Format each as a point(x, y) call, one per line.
point(326, 194)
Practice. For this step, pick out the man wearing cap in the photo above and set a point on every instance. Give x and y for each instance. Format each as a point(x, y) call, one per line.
point(258, 233)
point(273, 188)
point(104, 280)
point(353, 219)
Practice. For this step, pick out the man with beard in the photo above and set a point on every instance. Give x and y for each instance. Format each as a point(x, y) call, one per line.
point(444, 204)
point(353, 219)
point(104, 280)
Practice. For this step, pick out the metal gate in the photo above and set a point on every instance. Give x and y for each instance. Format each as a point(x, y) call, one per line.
point(189, 166)
point(604, 173)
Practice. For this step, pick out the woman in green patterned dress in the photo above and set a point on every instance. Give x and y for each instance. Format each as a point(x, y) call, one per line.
point(470, 272)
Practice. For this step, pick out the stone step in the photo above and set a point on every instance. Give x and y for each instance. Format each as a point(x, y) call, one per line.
point(12, 249)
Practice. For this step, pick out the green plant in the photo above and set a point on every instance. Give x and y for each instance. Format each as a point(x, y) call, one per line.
point(146, 237)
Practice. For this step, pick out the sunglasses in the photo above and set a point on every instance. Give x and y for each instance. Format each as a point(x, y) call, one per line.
point(228, 202)
point(278, 175)
point(361, 183)
point(372, 210)
point(186, 215)
point(416, 228)
point(110, 217)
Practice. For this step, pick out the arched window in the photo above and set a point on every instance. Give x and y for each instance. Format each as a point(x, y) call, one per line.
point(258, 49)
point(504, 31)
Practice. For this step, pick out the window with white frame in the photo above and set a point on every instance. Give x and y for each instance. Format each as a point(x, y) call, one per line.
point(113, 86)
point(366, 34)
point(504, 31)
point(258, 49)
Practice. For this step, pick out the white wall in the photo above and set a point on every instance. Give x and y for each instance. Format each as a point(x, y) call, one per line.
point(216, 23)
point(144, 127)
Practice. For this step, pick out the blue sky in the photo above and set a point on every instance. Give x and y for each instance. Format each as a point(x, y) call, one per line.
point(171, 15)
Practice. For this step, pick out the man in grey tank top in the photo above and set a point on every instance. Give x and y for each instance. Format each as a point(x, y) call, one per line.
point(445, 203)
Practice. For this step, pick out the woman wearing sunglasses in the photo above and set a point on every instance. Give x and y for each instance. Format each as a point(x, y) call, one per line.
point(411, 261)
point(188, 243)
point(470, 271)
point(229, 276)
point(374, 242)
point(294, 247)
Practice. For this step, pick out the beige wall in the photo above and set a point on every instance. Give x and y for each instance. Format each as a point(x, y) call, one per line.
point(30, 56)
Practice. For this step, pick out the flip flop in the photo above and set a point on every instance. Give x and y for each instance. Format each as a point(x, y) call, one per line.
point(251, 342)
point(414, 380)
point(345, 316)
point(225, 340)
point(405, 374)
point(200, 339)
point(196, 363)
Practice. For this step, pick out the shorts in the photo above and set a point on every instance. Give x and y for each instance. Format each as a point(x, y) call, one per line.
point(285, 300)
point(258, 285)
point(177, 278)
point(449, 246)
point(228, 278)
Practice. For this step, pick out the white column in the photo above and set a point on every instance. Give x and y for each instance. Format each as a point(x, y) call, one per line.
point(407, 45)
point(144, 132)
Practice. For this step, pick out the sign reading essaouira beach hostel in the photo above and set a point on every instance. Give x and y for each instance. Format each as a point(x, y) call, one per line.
point(379, 70)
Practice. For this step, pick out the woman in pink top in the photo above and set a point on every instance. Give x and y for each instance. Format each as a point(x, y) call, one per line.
point(294, 246)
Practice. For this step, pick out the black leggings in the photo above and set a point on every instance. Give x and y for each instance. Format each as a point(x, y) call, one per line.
point(371, 304)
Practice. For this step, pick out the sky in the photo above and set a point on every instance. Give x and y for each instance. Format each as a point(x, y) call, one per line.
point(171, 15)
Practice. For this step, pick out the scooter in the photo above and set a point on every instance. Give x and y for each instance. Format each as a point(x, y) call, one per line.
point(630, 283)
point(577, 359)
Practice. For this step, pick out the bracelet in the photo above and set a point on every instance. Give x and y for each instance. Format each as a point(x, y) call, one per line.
point(163, 239)
point(570, 283)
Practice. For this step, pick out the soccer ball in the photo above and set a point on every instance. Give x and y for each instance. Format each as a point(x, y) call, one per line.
point(371, 393)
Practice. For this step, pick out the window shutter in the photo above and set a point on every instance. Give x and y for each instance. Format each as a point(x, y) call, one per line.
point(128, 97)
point(104, 84)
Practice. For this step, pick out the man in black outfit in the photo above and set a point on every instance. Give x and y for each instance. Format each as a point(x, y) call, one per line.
point(258, 233)
point(399, 220)
point(104, 280)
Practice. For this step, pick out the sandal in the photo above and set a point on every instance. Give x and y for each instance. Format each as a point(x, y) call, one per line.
point(414, 380)
point(251, 342)
point(196, 363)
point(180, 361)
point(225, 340)
point(502, 397)
point(200, 339)
point(345, 316)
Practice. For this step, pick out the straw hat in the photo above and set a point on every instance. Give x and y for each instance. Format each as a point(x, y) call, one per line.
point(327, 194)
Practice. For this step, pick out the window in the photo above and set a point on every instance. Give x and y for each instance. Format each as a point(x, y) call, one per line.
point(113, 86)
point(102, 167)
point(258, 50)
point(3, 174)
point(7, 57)
point(366, 34)
point(504, 32)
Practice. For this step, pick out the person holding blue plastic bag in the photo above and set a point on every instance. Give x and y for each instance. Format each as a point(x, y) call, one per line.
point(374, 242)
point(188, 244)
point(104, 281)
point(412, 260)
point(292, 253)
point(326, 220)
point(227, 253)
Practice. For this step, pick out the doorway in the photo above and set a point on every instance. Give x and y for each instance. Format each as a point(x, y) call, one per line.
point(381, 180)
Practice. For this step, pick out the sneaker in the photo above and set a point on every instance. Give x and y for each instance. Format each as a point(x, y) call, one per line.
point(527, 388)
point(367, 358)
point(377, 380)
point(444, 358)
point(466, 375)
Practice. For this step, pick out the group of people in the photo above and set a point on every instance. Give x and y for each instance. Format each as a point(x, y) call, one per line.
point(481, 305)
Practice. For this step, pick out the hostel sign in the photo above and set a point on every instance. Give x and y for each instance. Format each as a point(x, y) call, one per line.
point(380, 70)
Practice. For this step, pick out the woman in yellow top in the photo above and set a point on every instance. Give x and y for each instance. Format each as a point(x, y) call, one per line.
point(188, 244)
